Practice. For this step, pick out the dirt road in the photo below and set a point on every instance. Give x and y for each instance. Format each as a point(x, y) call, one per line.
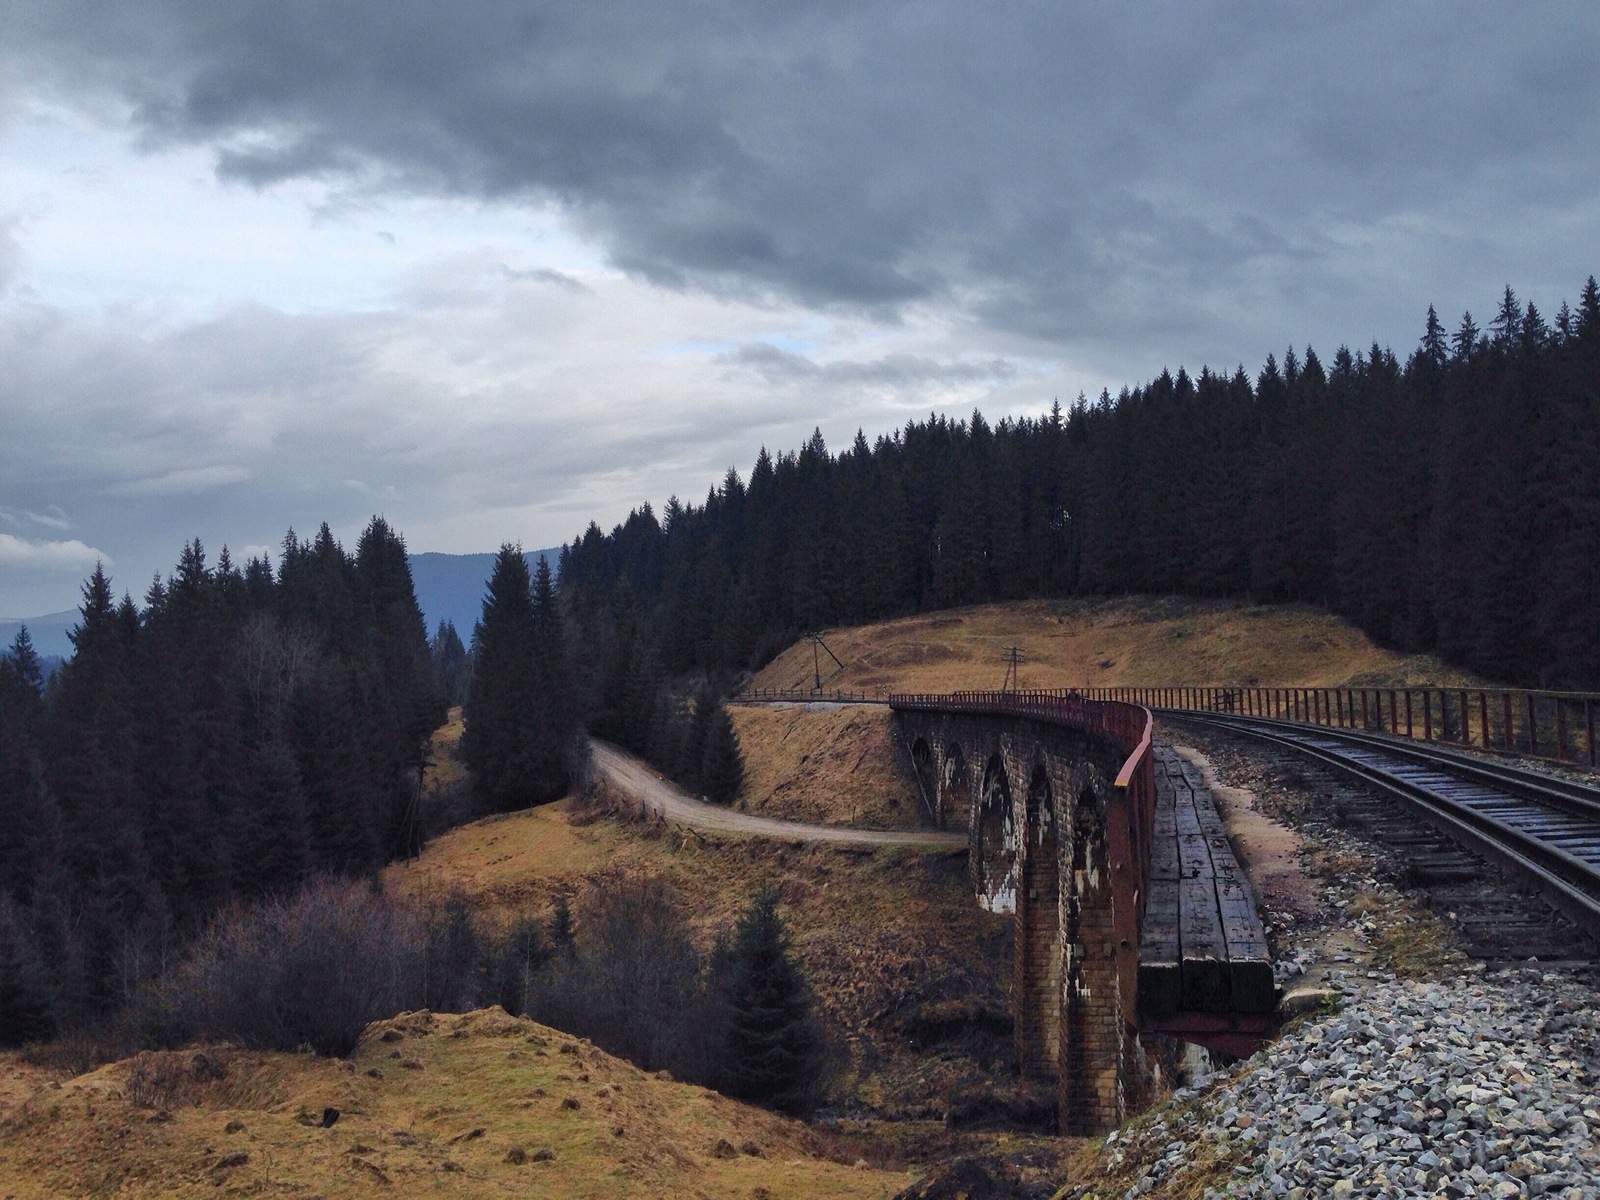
point(632, 777)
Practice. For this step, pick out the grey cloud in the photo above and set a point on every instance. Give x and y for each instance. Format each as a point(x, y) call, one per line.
point(548, 275)
point(10, 255)
point(1075, 174)
point(185, 481)
point(778, 366)
point(54, 519)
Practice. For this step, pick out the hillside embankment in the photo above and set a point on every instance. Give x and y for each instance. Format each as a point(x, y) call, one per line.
point(1105, 643)
point(825, 764)
point(474, 1105)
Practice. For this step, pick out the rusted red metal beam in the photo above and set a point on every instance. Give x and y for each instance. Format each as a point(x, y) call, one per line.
point(1236, 1034)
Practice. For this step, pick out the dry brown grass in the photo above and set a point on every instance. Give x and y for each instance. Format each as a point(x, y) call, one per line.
point(1413, 942)
point(829, 766)
point(429, 1105)
point(446, 768)
point(1108, 643)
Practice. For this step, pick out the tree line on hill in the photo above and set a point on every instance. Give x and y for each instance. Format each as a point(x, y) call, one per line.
point(1449, 504)
point(533, 690)
point(241, 732)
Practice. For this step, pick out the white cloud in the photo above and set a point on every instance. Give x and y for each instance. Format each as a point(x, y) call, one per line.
point(71, 555)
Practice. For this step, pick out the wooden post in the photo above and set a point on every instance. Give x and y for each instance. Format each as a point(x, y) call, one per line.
point(1533, 726)
point(1427, 714)
point(1366, 721)
point(1505, 731)
point(1483, 716)
point(1561, 730)
point(1410, 727)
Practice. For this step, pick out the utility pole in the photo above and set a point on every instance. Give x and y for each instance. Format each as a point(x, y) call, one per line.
point(818, 648)
point(414, 808)
point(1013, 681)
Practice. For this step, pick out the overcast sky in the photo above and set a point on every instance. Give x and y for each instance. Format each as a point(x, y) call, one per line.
point(494, 270)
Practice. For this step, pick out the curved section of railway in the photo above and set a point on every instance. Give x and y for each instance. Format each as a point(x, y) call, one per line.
point(1544, 828)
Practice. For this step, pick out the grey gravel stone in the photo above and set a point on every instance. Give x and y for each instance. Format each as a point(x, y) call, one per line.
point(1483, 1085)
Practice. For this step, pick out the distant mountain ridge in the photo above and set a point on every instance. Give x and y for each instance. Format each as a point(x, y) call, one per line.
point(449, 587)
point(49, 632)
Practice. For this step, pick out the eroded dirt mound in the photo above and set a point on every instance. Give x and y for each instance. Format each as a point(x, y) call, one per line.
point(474, 1105)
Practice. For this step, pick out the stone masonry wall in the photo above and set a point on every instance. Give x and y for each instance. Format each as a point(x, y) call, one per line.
point(1046, 864)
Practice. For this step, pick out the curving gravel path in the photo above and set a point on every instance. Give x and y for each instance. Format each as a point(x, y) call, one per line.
point(632, 777)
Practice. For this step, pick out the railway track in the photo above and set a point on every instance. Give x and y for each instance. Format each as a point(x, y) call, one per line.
point(1545, 829)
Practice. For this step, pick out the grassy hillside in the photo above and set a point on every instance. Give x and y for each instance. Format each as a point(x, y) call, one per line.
point(1107, 643)
point(479, 1105)
point(828, 765)
point(890, 940)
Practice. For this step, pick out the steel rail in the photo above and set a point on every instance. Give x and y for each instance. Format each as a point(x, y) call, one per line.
point(1488, 823)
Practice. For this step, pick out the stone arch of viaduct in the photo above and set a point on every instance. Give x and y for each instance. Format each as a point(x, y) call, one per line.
point(1047, 830)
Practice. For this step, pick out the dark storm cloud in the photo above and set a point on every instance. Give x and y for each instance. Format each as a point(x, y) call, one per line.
point(1173, 177)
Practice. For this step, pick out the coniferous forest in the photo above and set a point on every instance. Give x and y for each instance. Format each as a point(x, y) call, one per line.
point(239, 733)
point(1447, 503)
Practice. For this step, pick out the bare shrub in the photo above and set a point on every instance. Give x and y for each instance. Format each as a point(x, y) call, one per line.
point(310, 971)
point(635, 985)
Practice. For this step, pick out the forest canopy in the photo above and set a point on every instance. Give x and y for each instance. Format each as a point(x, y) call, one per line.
point(1448, 503)
point(240, 732)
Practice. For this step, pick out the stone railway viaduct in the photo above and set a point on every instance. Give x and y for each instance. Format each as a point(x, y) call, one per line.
point(1058, 795)
point(1056, 842)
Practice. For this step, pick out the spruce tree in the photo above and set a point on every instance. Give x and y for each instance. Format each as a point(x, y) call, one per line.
point(774, 1048)
point(451, 670)
point(692, 743)
point(27, 991)
point(562, 939)
point(722, 764)
point(506, 741)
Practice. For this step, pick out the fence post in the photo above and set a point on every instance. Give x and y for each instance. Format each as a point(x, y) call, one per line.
point(1483, 716)
point(1561, 730)
point(1533, 726)
point(1410, 725)
point(1427, 714)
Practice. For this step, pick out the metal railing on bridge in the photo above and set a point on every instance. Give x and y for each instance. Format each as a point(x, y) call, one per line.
point(1556, 726)
point(806, 696)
